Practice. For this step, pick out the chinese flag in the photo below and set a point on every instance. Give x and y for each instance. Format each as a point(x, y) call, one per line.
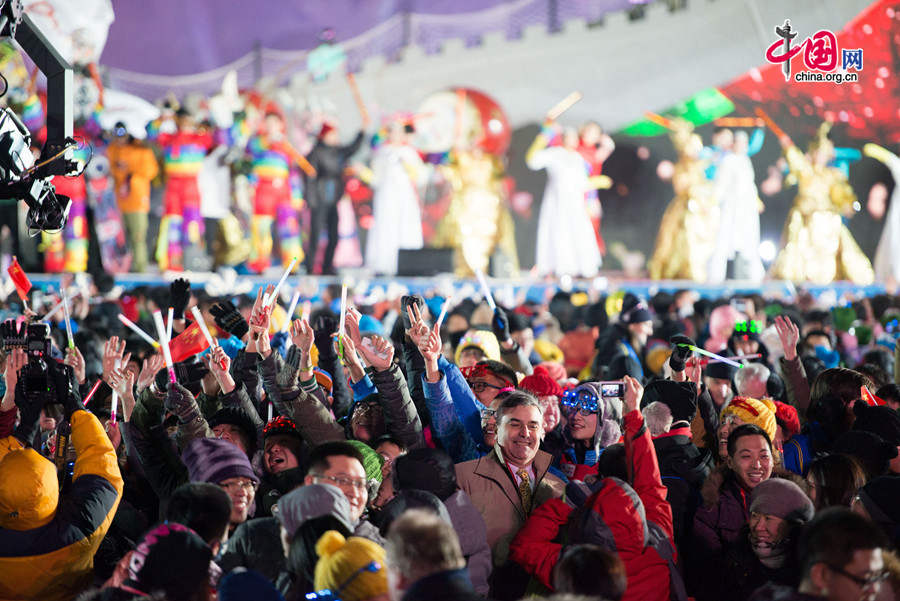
point(870, 399)
point(188, 343)
point(23, 285)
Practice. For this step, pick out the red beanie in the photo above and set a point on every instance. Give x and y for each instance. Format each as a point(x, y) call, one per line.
point(786, 417)
point(540, 384)
point(555, 370)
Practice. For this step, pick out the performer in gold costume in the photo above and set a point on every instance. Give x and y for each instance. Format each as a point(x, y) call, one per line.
point(687, 233)
point(478, 221)
point(816, 245)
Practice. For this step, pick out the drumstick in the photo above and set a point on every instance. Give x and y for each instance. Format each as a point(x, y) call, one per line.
point(354, 89)
point(563, 105)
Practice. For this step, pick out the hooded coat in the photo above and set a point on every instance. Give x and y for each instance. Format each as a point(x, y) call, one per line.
point(48, 542)
point(579, 460)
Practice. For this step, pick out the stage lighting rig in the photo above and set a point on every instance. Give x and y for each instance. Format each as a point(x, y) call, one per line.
point(21, 177)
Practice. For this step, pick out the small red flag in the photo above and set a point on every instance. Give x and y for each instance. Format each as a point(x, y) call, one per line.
point(23, 285)
point(870, 399)
point(189, 343)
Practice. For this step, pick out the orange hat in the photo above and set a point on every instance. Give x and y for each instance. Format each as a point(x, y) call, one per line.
point(29, 490)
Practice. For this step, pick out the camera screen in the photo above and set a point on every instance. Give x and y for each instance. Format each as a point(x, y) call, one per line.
point(616, 390)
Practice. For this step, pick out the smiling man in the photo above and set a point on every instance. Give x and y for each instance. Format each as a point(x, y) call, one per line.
point(511, 480)
point(223, 463)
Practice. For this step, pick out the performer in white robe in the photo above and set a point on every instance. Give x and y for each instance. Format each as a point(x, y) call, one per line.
point(737, 238)
point(887, 255)
point(397, 217)
point(566, 244)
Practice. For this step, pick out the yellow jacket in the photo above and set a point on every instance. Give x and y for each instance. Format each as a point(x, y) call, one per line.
point(133, 167)
point(47, 543)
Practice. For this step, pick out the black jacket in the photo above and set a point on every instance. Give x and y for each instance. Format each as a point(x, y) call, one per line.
point(329, 162)
point(273, 486)
point(256, 545)
point(683, 468)
point(613, 359)
point(452, 585)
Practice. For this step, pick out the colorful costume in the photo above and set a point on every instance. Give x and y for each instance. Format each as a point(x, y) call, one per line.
point(566, 242)
point(133, 166)
point(397, 218)
point(477, 222)
point(887, 256)
point(68, 250)
point(816, 245)
point(687, 232)
point(734, 188)
point(276, 195)
point(182, 224)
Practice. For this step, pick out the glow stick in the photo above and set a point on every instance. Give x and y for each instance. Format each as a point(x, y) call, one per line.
point(58, 307)
point(713, 355)
point(343, 309)
point(131, 326)
point(169, 317)
point(164, 343)
point(290, 314)
point(67, 318)
point(741, 357)
point(269, 300)
point(487, 291)
point(443, 314)
point(563, 105)
point(90, 394)
point(198, 317)
point(269, 412)
point(115, 398)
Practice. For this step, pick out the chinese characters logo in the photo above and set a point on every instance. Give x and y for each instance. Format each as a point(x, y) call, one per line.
point(820, 56)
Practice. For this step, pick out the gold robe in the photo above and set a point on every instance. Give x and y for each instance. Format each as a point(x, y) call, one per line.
point(687, 233)
point(816, 246)
point(477, 221)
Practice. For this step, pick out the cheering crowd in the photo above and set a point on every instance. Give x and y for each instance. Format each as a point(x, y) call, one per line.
point(587, 447)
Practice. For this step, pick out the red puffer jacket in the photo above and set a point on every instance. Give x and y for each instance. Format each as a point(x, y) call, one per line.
point(616, 516)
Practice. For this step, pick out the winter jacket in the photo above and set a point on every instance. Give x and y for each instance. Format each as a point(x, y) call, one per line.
point(47, 543)
point(256, 545)
point(273, 486)
point(491, 487)
point(452, 585)
point(718, 522)
point(472, 533)
point(400, 417)
point(683, 468)
point(796, 384)
point(617, 516)
point(446, 424)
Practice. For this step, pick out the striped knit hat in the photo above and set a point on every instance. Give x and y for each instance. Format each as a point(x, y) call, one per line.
point(215, 460)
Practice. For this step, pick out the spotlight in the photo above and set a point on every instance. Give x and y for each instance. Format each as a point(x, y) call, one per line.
point(767, 251)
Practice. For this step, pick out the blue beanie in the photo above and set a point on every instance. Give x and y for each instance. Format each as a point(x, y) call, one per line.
point(246, 585)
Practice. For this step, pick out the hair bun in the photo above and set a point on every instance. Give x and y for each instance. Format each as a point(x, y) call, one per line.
point(330, 542)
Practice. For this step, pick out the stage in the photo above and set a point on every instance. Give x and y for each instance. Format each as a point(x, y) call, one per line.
point(506, 291)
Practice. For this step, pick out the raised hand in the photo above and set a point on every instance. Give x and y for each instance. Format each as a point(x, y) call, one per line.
point(431, 346)
point(379, 354)
point(789, 334)
point(149, 369)
point(179, 297)
point(75, 360)
point(418, 330)
point(633, 394)
point(15, 360)
point(112, 352)
point(229, 319)
point(302, 335)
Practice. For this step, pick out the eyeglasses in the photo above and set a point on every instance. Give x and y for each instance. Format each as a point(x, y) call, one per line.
point(247, 485)
point(864, 583)
point(343, 481)
point(488, 413)
point(328, 595)
point(582, 400)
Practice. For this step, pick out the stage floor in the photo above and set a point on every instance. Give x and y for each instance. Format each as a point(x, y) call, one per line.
point(225, 283)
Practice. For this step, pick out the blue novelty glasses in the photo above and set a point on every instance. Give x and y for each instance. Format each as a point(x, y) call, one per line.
point(579, 400)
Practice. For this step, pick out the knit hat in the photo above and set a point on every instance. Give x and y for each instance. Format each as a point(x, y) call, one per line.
point(879, 497)
point(760, 412)
point(23, 507)
point(881, 421)
point(722, 371)
point(171, 558)
point(548, 351)
point(242, 584)
point(680, 397)
point(351, 568)
point(873, 453)
point(372, 461)
point(214, 460)
point(786, 417)
point(426, 469)
point(313, 501)
point(238, 418)
point(369, 325)
point(555, 370)
point(540, 383)
point(783, 499)
point(480, 339)
point(608, 430)
point(634, 310)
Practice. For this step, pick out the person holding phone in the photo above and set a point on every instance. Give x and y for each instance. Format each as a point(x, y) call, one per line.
point(593, 411)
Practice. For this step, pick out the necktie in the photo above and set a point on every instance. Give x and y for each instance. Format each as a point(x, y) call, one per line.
point(524, 489)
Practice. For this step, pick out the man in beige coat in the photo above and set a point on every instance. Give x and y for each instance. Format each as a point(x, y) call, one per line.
point(511, 480)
